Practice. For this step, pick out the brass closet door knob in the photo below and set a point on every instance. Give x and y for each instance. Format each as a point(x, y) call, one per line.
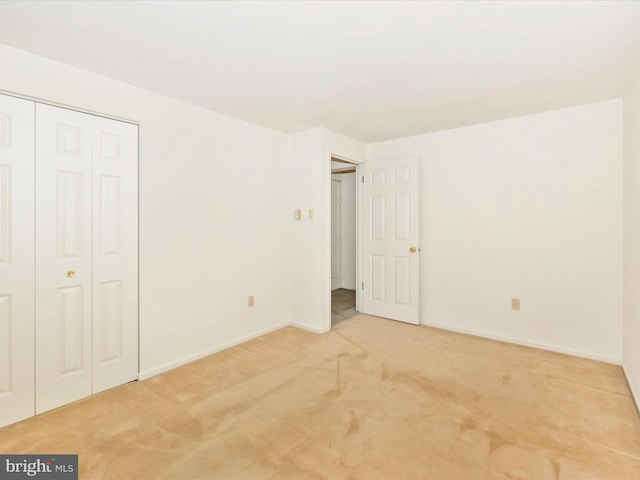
point(412, 249)
point(71, 273)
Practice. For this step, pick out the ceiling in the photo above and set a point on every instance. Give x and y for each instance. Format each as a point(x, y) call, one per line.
point(370, 70)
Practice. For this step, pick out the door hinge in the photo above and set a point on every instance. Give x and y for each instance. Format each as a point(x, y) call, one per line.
point(362, 285)
point(362, 178)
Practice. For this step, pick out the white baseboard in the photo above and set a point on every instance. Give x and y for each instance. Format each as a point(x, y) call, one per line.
point(196, 356)
point(634, 393)
point(525, 343)
point(311, 329)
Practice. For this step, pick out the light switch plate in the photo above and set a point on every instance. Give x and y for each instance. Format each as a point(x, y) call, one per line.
point(515, 304)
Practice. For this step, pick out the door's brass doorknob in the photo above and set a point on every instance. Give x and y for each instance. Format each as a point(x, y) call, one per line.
point(412, 249)
point(71, 273)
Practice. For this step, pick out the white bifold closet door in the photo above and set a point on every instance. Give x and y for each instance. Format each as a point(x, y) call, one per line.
point(86, 285)
point(16, 259)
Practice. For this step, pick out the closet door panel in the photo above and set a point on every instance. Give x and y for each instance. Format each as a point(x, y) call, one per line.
point(63, 256)
point(16, 259)
point(115, 253)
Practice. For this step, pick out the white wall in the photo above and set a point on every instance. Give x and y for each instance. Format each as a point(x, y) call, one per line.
point(307, 282)
point(348, 275)
point(214, 212)
point(529, 207)
point(311, 153)
point(631, 323)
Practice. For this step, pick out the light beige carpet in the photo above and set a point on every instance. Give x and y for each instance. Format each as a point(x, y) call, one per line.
point(373, 399)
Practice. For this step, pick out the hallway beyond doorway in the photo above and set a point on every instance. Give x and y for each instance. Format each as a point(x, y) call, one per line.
point(343, 305)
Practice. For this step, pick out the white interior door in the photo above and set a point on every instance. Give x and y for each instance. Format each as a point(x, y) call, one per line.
point(63, 257)
point(86, 255)
point(115, 253)
point(68, 256)
point(336, 234)
point(391, 242)
point(16, 260)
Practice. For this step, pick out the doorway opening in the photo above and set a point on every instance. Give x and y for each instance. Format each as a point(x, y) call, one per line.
point(343, 240)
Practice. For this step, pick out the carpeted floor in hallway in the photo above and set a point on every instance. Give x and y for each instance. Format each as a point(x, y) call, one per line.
point(372, 399)
point(343, 305)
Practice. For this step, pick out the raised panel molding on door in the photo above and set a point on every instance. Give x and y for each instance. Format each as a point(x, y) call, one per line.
point(86, 196)
point(68, 256)
point(69, 202)
point(70, 331)
point(16, 259)
point(391, 239)
point(5, 344)
point(115, 253)
point(63, 256)
point(5, 121)
point(5, 213)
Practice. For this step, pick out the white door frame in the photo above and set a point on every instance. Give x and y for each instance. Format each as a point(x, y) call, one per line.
point(338, 221)
point(326, 231)
point(326, 238)
point(359, 238)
